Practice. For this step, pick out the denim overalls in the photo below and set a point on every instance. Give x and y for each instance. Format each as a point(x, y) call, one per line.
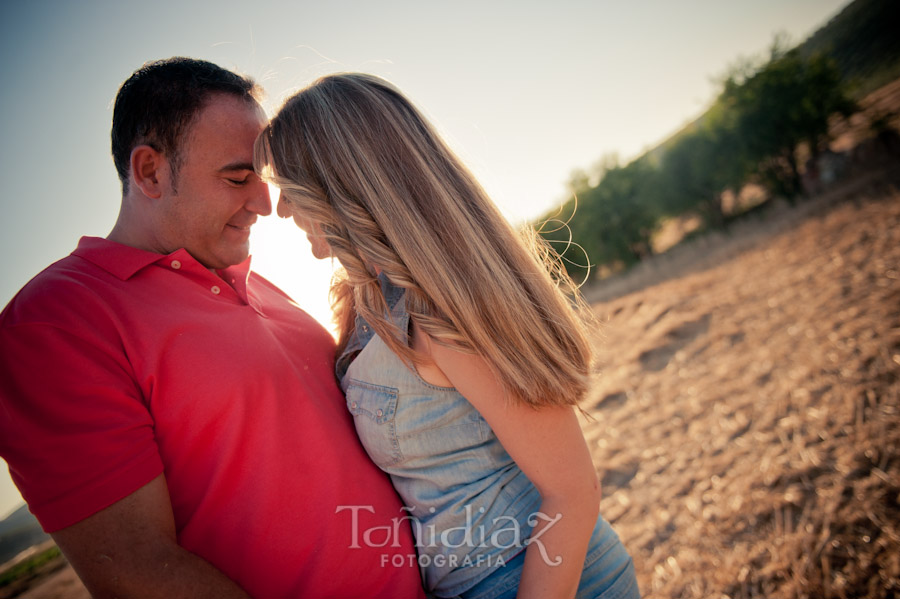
point(470, 502)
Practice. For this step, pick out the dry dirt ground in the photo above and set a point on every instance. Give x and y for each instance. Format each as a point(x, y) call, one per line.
point(747, 415)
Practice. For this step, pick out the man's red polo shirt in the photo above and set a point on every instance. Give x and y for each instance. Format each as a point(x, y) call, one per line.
point(119, 364)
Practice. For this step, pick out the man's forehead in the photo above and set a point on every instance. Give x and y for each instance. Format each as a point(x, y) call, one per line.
point(224, 107)
point(226, 117)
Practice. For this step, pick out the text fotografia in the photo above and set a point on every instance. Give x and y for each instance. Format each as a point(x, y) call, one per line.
point(505, 533)
point(443, 561)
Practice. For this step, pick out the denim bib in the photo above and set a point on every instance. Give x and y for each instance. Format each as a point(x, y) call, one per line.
point(468, 500)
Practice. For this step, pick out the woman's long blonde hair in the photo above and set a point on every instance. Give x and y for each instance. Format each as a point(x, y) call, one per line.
point(351, 154)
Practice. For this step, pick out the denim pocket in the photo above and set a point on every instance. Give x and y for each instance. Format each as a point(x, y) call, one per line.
point(373, 408)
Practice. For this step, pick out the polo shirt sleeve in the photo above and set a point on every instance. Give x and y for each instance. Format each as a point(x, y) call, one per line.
point(74, 428)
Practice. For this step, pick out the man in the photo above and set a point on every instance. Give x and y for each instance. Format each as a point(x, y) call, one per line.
point(171, 418)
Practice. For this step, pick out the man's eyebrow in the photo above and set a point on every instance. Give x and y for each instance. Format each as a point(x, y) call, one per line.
point(237, 166)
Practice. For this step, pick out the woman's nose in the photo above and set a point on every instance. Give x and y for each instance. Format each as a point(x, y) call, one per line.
point(282, 209)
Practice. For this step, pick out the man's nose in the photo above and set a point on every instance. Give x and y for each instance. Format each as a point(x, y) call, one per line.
point(260, 201)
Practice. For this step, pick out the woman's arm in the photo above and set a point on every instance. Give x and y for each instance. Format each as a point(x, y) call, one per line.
point(549, 447)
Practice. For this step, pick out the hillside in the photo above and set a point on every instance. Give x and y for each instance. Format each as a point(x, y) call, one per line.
point(19, 531)
point(747, 413)
point(862, 40)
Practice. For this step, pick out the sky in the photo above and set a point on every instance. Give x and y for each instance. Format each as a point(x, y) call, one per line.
point(524, 91)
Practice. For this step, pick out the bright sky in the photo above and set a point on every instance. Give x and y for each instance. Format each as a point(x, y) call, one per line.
point(525, 91)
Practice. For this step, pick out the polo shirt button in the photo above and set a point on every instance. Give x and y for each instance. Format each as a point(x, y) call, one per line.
point(379, 412)
point(176, 264)
point(354, 405)
point(215, 289)
point(365, 329)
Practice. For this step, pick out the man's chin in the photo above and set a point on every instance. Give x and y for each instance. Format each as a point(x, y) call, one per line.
point(239, 256)
point(225, 257)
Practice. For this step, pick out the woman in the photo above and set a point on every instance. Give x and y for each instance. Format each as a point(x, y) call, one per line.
point(461, 356)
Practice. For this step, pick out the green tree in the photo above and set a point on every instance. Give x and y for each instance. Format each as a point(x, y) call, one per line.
point(612, 221)
point(786, 102)
point(751, 133)
point(698, 166)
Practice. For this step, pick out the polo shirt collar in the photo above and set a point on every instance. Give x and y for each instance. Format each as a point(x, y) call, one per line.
point(119, 260)
point(124, 261)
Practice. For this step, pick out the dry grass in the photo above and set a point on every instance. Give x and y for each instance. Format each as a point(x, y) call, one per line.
point(748, 415)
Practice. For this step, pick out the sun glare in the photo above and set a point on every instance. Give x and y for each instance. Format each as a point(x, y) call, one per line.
point(282, 255)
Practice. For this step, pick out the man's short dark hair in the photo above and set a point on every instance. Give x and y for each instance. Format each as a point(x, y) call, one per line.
point(156, 105)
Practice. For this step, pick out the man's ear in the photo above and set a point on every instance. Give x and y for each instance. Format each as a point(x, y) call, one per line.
point(149, 170)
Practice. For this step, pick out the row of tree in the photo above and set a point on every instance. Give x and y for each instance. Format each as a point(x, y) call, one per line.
point(764, 115)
